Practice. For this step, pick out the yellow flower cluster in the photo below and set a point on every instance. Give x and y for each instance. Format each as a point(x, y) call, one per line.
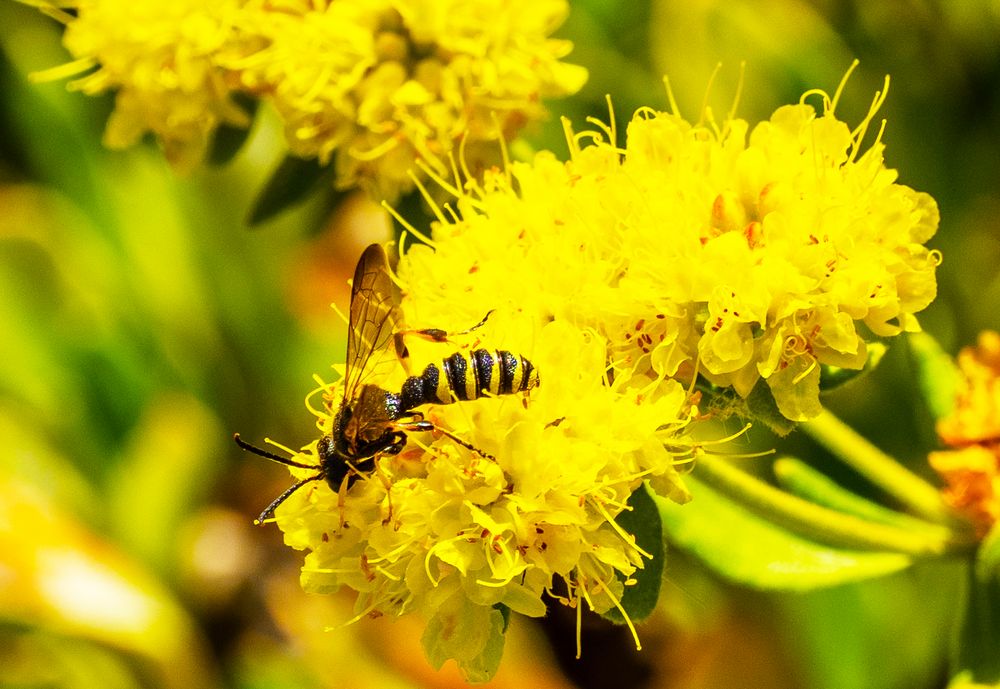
point(451, 534)
point(377, 84)
point(619, 273)
point(165, 61)
point(371, 85)
point(695, 249)
point(972, 468)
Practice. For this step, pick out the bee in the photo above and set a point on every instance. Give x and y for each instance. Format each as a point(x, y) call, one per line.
point(371, 420)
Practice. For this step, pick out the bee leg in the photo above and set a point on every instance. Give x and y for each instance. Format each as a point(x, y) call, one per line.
point(418, 424)
point(341, 495)
point(430, 334)
point(438, 335)
point(388, 493)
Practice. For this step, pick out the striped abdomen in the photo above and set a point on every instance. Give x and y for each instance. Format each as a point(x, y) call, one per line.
point(468, 377)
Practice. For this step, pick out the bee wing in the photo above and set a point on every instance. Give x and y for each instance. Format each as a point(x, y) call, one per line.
point(373, 320)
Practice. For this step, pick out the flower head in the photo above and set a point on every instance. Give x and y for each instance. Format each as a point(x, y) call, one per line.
point(452, 533)
point(165, 62)
point(375, 84)
point(699, 249)
point(972, 468)
point(619, 274)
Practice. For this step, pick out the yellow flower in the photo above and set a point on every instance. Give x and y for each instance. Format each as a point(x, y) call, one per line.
point(164, 62)
point(450, 534)
point(696, 248)
point(972, 469)
point(619, 274)
point(976, 416)
point(374, 85)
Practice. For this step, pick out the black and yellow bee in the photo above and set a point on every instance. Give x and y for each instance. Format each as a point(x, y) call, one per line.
point(372, 420)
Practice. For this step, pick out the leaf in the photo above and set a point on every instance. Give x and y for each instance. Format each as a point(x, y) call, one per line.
point(294, 179)
point(642, 521)
point(228, 139)
point(168, 465)
point(988, 557)
point(759, 405)
point(752, 551)
point(412, 208)
point(763, 407)
point(936, 373)
point(832, 377)
point(976, 653)
point(801, 479)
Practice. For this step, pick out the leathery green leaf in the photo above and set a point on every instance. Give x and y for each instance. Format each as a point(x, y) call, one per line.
point(644, 523)
point(936, 373)
point(750, 550)
point(802, 480)
point(291, 183)
point(976, 649)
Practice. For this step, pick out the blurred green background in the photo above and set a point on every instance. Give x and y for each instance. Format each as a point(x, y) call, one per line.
point(143, 323)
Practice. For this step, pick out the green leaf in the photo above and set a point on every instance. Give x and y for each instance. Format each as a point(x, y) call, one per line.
point(642, 521)
point(750, 550)
point(936, 373)
point(412, 208)
point(832, 377)
point(763, 407)
point(228, 139)
point(759, 405)
point(294, 179)
point(801, 479)
point(976, 653)
point(168, 465)
point(988, 558)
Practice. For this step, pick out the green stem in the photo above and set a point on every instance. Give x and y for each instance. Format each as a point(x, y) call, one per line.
point(879, 468)
point(821, 523)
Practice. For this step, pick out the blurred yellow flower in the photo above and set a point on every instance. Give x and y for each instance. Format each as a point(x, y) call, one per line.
point(370, 85)
point(972, 469)
point(165, 62)
point(375, 85)
point(699, 249)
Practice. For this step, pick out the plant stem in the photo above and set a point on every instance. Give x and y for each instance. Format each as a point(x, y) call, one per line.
point(879, 468)
point(821, 523)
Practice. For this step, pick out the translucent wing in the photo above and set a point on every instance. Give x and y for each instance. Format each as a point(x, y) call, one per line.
point(373, 320)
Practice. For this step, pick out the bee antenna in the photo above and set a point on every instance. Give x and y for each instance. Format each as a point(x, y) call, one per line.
point(269, 455)
point(268, 512)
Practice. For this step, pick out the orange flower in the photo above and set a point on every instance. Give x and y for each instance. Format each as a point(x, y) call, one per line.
point(972, 469)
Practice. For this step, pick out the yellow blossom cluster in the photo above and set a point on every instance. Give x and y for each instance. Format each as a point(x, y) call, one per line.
point(369, 85)
point(376, 84)
point(621, 274)
point(746, 258)
point(972, 467)
point(453, 534)
point(165, 63)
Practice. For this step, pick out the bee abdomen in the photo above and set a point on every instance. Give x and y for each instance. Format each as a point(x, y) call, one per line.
point(484, 372)
point(470, 376)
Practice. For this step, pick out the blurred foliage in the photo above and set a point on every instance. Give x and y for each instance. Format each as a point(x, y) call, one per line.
point(143, 324)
